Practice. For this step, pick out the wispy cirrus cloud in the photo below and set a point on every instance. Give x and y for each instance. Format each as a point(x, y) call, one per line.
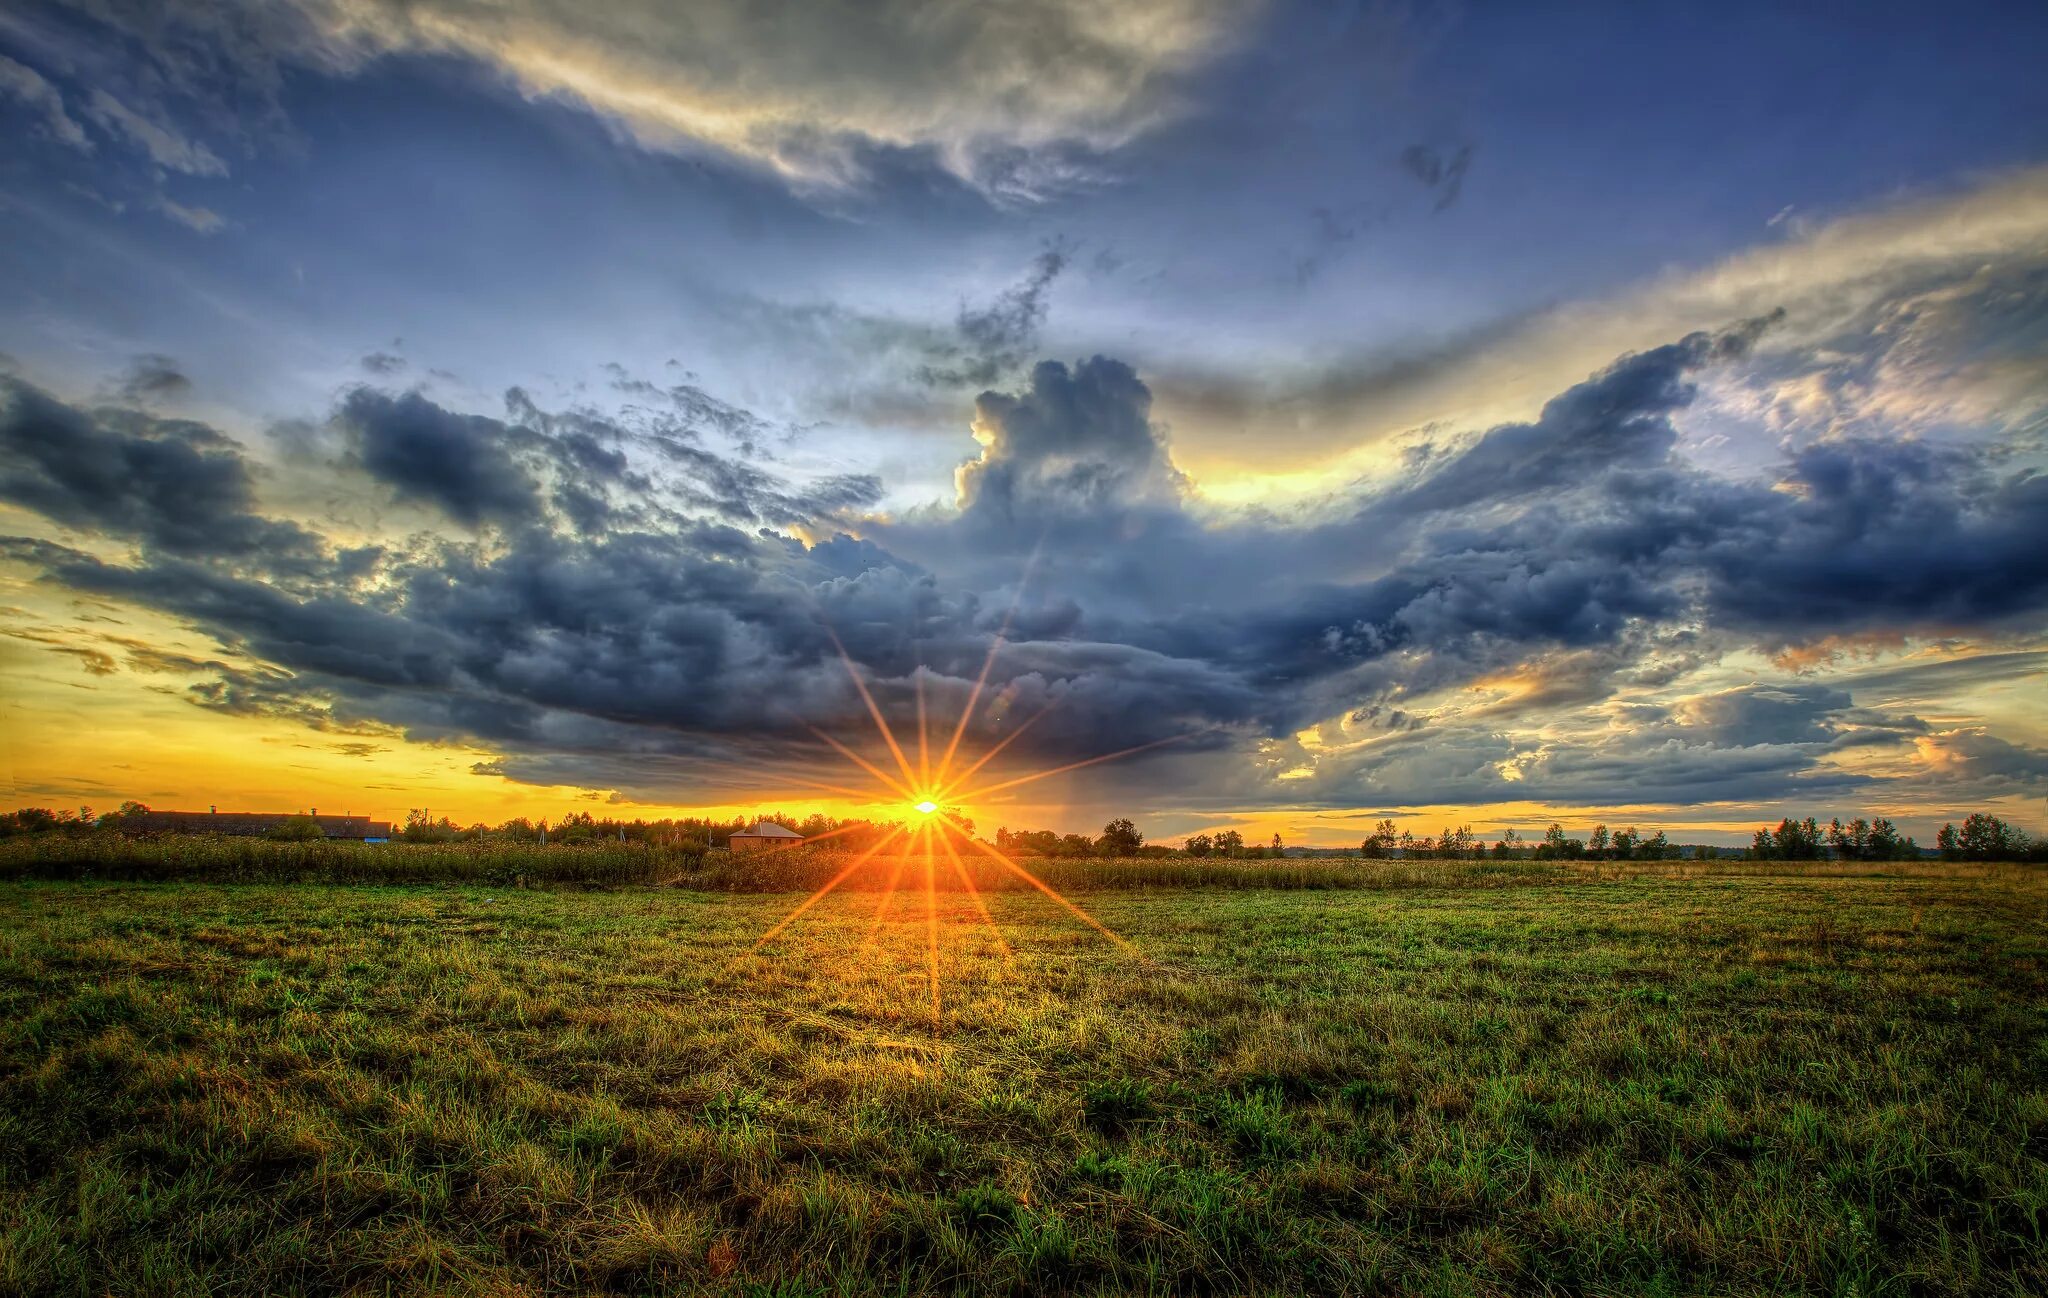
point(1016, 100)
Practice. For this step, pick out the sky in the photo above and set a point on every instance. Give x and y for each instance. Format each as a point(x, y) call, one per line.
point(1470, 413)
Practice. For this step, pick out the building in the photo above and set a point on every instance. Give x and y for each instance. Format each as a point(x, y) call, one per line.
point(765, 834)
point(252, 824)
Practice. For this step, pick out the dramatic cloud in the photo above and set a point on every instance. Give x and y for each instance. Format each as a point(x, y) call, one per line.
point(1015, 99)
point(461, 463)
point(177, 486)
point(1078, 445)
point(1920, 316)
point(1504, 621)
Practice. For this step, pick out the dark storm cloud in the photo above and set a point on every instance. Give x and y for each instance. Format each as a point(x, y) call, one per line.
point(640, 598)
point(1870, 533)
point(460, 463)
point(175, 485)
point(1078, 443)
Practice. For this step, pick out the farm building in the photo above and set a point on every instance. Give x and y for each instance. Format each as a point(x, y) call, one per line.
point(764, 835)
point(251, 824)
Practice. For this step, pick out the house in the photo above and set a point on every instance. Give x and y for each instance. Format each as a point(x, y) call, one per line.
point(251, 824)
point(765, 834)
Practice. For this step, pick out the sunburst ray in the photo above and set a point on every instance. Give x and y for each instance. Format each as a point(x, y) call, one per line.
point(830, 884)
point(985, 790)
point(881, 723)
point(946, 790)
point(888, 899)
point(948, 823)
point(931, 924)
point(974, 894)
point(864, 764)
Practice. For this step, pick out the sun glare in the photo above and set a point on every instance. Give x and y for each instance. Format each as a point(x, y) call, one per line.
point(929, 787)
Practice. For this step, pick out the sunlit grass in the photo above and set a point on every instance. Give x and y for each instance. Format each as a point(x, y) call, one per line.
point(1779, 1084)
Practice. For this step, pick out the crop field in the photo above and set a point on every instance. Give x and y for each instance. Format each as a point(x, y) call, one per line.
point(1641, 1082)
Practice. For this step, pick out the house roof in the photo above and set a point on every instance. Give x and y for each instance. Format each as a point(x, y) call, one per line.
point(769, 829)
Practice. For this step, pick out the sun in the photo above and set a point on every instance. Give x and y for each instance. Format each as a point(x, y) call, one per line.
point(937, 836)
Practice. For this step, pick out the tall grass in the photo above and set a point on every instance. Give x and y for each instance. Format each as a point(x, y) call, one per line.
point(226, 859)
point(223, 859)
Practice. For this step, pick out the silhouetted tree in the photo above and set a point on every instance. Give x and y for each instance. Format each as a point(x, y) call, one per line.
point(1983, 837)
point(1120, 838)
point(1380, 842)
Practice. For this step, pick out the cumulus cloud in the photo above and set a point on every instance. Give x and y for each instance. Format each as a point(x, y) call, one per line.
point(177, 486)
point(1079, 443)
point(460, 463)
point(1514, 617)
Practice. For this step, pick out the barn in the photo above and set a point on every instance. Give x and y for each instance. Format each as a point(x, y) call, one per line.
point(765, 834)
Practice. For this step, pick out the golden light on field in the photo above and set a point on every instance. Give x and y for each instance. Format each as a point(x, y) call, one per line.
point(936, 790)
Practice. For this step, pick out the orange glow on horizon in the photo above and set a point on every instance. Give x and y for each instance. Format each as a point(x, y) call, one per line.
point(931, 790)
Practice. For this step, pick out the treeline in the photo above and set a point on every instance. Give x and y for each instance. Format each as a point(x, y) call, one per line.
point(684, 834)
point(1121, 838)
point(1982, 837)
point(1388, 840)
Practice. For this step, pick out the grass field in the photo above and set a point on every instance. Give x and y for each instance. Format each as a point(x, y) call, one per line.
point(1652, 1082)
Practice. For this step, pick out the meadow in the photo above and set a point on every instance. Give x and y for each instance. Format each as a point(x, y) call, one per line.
point(1676, 1079)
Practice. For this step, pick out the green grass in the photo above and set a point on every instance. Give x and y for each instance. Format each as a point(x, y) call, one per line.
point(1630, 1083)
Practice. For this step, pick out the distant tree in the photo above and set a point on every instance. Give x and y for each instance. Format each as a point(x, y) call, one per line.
point(421, 827)
point(1983, 837)
point(1508, 844)
point(1229, 842)
point(1655, 848)
point(1380, 842)
point(1276, 846)
point(1596, 846)
point(1556, 847)
point(295, 829)
point(1199, 845)
point(1883, 842)
point(28, 820)
point(131, 809)
point(1792, 840)
point(1120, 838)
